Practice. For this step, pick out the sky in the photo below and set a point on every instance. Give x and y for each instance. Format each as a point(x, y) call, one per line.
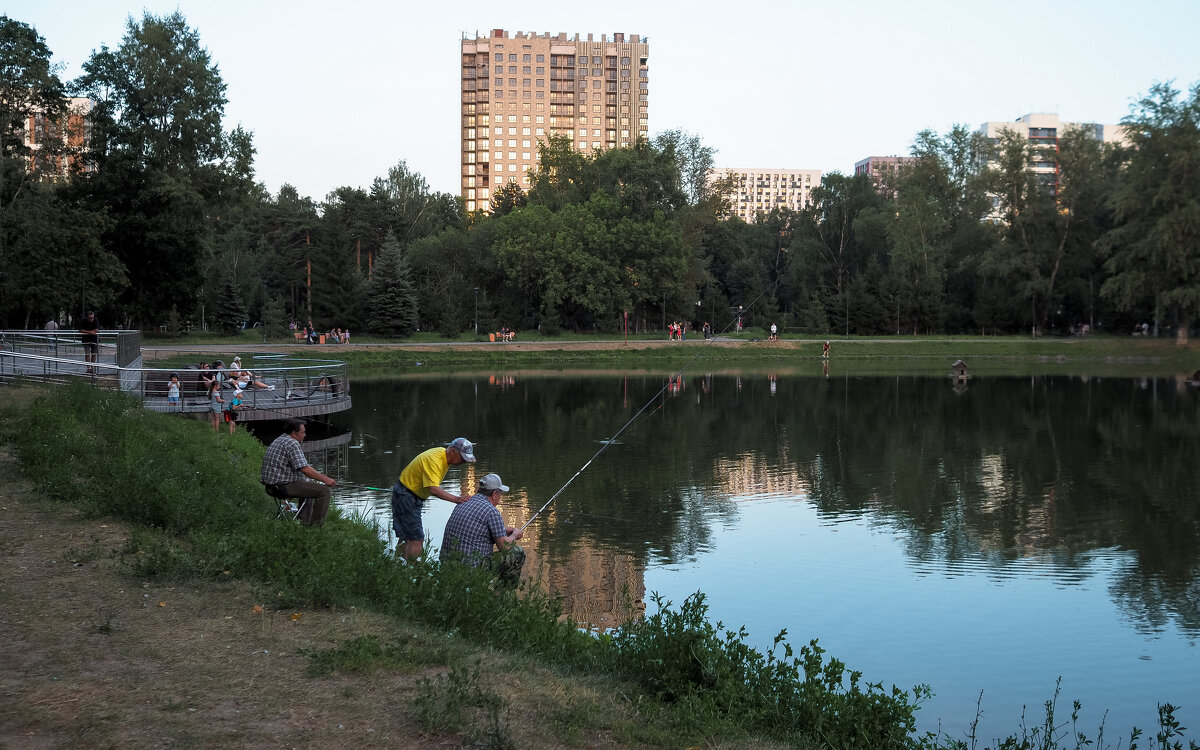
point(338, 93)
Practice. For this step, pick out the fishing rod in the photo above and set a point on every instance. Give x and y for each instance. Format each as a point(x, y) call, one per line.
point(604, 444)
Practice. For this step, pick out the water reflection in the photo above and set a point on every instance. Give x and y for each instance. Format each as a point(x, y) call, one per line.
point(828, 505)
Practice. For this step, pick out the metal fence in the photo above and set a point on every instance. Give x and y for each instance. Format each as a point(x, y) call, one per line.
point(287, 387)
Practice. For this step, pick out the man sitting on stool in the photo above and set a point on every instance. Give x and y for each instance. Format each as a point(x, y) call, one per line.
point(476, 526)
point(285, 469)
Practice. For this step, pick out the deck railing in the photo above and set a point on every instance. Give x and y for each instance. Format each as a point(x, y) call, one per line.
point(286, 387)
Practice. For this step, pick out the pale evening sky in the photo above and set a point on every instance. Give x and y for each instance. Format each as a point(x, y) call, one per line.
point(767, 83)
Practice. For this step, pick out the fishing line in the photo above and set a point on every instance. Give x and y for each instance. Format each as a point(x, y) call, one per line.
point(604, 444)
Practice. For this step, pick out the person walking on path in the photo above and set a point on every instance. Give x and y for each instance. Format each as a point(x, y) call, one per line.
point(421, 479)
point(476, 527)
point(286, 469)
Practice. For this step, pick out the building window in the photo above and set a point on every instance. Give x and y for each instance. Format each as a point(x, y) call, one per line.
point(512, 56)
point(499, 57)
point(541, 58)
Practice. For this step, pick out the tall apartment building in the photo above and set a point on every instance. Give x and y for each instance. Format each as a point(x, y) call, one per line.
point(74, 132)
point(1043, 130)
point(758, 191)
point(878, 167)
point(521, 89)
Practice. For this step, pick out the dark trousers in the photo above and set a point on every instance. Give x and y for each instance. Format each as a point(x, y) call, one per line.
point(317, 494)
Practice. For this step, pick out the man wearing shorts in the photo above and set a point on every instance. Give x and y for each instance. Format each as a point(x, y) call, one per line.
point(420, 479)
point(89, 336)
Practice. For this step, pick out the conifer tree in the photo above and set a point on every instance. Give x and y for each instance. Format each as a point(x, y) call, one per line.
point(392, 298)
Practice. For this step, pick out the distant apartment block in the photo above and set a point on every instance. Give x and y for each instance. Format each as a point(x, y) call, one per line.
point(74, 132)
point(1044, 130)
point(759, 191)
point(879, 168)
point(518, 90)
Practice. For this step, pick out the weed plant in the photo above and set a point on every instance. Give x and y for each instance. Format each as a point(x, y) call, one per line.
point(200, 511)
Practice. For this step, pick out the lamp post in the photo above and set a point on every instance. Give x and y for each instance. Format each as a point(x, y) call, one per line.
point(476, 312)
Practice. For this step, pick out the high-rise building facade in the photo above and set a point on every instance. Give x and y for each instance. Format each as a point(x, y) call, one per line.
point(754, 191)
point(72, 132)
point(1043, 131)
point(518, 90)
point(879, 167)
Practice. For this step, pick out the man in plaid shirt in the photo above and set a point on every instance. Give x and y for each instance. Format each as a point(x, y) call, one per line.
point(285, 467)
point(475, 527)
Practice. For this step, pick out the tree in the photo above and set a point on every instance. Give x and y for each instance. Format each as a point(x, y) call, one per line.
point(693, 161)
point(937, 237)
point(29, 89)
point(391, 298)
point(54, 258)
point(507, 198)
point(166, 170)
point(230, 314)
point(1153, 252)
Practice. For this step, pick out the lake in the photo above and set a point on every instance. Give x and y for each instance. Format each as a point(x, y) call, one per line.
point(984, 535)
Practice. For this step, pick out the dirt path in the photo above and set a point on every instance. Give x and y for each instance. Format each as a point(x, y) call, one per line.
point(95, 658)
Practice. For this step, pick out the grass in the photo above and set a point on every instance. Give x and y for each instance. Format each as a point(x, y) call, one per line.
point(984, 355)
point(200, 530)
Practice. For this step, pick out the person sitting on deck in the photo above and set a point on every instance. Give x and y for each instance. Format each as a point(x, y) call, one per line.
point(476, 526)
point(244, 378)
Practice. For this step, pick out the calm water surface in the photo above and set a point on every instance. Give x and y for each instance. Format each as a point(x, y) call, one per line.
point(989, 535)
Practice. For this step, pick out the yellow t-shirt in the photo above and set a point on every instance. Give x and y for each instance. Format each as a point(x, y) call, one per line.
point(425, 471)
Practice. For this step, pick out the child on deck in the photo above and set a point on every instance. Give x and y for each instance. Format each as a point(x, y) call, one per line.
point(215, 404)
point(173, 393)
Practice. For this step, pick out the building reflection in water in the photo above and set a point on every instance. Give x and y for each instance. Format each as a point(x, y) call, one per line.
point(599, 588)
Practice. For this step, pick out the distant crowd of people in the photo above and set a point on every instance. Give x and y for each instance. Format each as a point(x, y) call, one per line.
point(309, 334)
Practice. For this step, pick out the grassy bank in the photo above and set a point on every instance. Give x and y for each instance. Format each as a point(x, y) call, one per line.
point(445, 654)
point(1096, 355)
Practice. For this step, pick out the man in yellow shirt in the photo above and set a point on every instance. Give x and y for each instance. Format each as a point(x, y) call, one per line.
point(421, 479)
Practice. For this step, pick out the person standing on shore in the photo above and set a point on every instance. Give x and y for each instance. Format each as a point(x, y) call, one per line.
point(420, 480)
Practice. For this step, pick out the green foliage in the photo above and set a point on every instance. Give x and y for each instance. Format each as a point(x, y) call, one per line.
point(391, 298)
point(361, 655)
point(507, 198)
point(1154, 249)
point(29, 86)
point(685, 659)
point(274, 318)
point(166, 172)
point(230, 314)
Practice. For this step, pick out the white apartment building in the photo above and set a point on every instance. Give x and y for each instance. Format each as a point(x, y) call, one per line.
point(1044, 129)
point(755, 191)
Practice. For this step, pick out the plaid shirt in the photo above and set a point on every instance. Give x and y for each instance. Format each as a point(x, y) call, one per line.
point(472, 530)
point(283, 461)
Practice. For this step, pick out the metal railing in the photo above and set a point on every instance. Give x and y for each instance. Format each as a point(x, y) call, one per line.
point(294, 387)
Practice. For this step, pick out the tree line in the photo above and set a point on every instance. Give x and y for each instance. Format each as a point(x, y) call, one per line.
point(162, 222)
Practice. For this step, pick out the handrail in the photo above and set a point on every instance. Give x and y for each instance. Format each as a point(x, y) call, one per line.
point(305, 386)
